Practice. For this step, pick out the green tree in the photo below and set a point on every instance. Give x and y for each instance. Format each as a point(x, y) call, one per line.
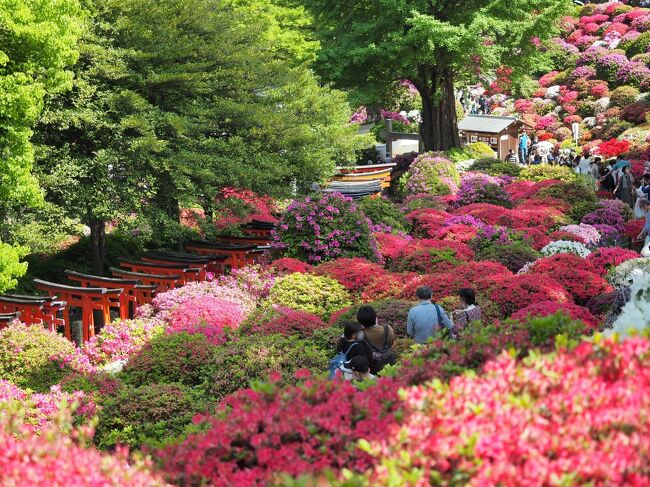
point(98, 141)
point(37, 44)
point(370, 46)
point(242, 108)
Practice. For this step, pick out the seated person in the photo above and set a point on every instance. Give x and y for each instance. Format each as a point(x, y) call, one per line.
point(360, 369)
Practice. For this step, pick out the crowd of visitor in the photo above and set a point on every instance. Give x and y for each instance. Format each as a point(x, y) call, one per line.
point(367, 345)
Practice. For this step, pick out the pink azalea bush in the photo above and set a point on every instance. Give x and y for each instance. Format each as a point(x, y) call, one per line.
point(208, 315)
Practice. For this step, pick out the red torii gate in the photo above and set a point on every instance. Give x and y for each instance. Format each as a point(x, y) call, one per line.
point(238, 255)
point(162, 282)
point(34, 310)
point(134, 291)
point(185, 273)
point(214, 263)
point(88, 299)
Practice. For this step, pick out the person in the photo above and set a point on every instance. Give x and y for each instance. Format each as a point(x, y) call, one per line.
point(469, 311)
point(625, 187)
point(378, 339)
point(584, 165)
point(511, 157)
point(374, 332)
point(642, 193)
point(347, 348)
point(523, 147)
point(607, 181)
point(594, 168)
point(426, 318)
point(360, 369)
point(645, 232)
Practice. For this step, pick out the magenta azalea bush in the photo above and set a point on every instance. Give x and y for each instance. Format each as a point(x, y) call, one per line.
point(431, 174)
point(318, 229)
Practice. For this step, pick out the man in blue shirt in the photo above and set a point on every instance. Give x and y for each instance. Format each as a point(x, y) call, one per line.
point(425, 319)
point(523, 148)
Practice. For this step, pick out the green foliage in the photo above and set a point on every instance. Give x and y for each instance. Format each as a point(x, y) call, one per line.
point(150, 414)
point(623, 96)
point(10, 266)
point(176, 358)
point(252, 358)
point(368, 47)
point(25, 356)
point(495, 167)
point(575, 192)
point(307, 292)
point(540, 172)
point(430, 174)
point(579, 209)
point(543, 330)
point(383, 211)
point(475, 150)
point(514, 256)
point(38, 43)
point(639, 45)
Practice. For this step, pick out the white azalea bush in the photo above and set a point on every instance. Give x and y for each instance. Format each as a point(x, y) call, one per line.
point(635, 315)
point(565, 247)
point(621, 275)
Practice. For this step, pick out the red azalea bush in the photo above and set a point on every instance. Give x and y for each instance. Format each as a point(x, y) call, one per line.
point(257, 434)
point(478, 275)
point(581, 280)
point(354, 274)
point(284, 321)
point(520, 291)
point(538, 238)
point(289, 265)
point(557, 262)
point(427, 221)
point(390, 285)
point(546, 308)
point(390, 245)
point(427, 255)
point(633, 228)
point(604, 258)
point(613, 148)
point(457, 233)
point(207, 315)
point(562, 235)
point(570, 415)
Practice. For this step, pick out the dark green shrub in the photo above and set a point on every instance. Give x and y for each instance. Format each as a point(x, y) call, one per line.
point(25, 353)
point(579, 209)
point(176, 358)
point(638, 45)
point(573, 193)
point(152, 414)
point(383, 211)
point(514, 256)
point(623, 96)
point(254, 357)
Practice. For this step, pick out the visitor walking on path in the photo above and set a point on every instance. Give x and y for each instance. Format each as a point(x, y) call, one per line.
point(425, 319)
point(624, 190)
point(642, 194)
point(523, 148)
point(584, 166)
point(469, 311)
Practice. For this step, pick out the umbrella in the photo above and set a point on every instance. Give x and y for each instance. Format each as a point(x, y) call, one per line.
point(546, 145)
point(620, 164)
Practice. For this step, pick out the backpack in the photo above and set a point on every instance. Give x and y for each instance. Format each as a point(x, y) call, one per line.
point(337, 362)
point(381, 356)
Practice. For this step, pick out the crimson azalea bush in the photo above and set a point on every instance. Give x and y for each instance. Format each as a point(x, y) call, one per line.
point(428, 255)
point(604, 258)
point(288, 265)
point(427, 221)
point(520, 291)
point(317, 229)
point(207, 315)
point(391, 245)
point(477, 343)
point(259, 433)
point(306, 292)
point(546, 308)
point(601, 439)
point(355, 274)
point(284, 321)
point(389, 285)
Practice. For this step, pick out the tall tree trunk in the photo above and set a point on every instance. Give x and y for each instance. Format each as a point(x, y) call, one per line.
point(98, 244)
point(439, 127)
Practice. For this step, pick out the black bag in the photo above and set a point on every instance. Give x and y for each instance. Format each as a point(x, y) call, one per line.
point(381, 356)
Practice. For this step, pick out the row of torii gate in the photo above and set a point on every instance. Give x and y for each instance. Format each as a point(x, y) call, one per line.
point(134, 282)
